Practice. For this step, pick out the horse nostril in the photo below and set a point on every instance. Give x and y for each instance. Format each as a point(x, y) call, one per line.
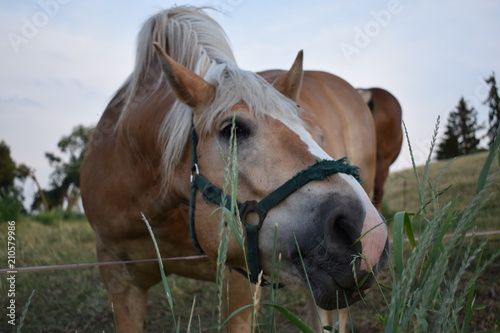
point(341, 231)
point(344, 228)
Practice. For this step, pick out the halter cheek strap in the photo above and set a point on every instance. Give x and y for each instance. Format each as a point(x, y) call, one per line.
point(213, 194)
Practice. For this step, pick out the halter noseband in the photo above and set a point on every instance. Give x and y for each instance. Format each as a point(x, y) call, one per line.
point(212, 194)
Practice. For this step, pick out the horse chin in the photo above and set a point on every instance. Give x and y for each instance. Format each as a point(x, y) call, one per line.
point(329, 293)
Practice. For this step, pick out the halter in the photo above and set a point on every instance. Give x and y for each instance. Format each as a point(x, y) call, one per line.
point(212, 194)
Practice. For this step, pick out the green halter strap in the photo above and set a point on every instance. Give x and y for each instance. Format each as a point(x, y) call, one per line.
point(212, 194)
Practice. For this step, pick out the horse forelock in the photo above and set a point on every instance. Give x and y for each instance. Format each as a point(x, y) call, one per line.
point(190, 37)
point(196, 41)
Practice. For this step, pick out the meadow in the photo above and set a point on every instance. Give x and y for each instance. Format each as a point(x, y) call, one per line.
point(73, 300)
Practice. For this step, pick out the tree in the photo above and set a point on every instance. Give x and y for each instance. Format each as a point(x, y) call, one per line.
point(493, 102)
point(449, 148)
point(467, 128)
point(65, 180)
point(460, 136)
point(7, 167)
point(11, 197)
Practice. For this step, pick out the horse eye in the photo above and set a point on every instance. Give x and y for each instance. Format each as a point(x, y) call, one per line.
point(241, 131)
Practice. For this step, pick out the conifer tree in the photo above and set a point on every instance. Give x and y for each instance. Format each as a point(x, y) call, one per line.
point(448, 147)
point(493, 102)
point(467, 127)
point(460, 137)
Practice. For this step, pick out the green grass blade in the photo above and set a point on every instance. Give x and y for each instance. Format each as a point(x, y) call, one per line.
point(487, 164)
point(409, 230)
point(469, 305)
point(397, 242)
point(363, 235)
point(235, 312)
point(296, 321)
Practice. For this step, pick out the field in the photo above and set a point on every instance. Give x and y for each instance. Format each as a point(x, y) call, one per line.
point(73, 300)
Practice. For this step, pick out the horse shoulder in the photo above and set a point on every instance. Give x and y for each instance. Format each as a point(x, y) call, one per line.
point(123, 165)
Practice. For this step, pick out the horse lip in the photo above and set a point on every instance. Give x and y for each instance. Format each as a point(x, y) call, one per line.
point(311, 264)
point(322, 283)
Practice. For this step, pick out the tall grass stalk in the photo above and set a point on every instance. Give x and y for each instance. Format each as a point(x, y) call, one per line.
point(428, 161)
point(417, 178)
point(164, 281)
point(430, 292)
point(221, 267)
point(191, 315)
point(25, 311)
point(229, 224)
point(275, 273)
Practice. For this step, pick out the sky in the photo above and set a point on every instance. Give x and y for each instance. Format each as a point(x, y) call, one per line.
point(62, 60)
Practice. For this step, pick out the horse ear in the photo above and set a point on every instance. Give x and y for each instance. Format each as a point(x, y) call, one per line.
point(189, 87)
point(290, 83)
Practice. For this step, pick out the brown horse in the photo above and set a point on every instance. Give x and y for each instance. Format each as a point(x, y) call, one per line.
point(387, 116)
point(174, 118)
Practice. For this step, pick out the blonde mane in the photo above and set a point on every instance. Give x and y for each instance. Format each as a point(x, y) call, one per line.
point(195, 40)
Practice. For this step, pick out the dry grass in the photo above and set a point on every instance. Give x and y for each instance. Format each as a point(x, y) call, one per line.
point(74, 299)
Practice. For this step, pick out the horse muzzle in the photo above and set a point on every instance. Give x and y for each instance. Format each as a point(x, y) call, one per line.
point(340, 249)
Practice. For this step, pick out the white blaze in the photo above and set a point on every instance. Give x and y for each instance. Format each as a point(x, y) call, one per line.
point(374, 230)
point(307, 138)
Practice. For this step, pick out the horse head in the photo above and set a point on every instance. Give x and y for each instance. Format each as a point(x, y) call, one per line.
point(327, 227)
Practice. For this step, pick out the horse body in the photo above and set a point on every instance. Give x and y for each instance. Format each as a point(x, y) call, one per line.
point(138, 160)
point(387, 115)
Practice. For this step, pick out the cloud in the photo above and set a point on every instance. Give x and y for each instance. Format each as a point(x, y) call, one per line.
point(18, 101)
point(428, 55)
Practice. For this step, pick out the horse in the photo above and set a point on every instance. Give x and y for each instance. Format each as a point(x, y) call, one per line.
point(387, 115)
point(161, 148)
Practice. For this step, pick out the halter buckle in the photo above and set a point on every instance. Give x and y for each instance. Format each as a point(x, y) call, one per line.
point(194, 172)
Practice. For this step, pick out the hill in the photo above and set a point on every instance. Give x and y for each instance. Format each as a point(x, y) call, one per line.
point(460, 174)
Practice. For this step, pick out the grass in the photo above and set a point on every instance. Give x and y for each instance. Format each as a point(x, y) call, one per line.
point(438, 283)
point(61, 297)
point(461, 175)
point(73, 299)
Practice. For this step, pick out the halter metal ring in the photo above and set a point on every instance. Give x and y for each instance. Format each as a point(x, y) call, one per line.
point(194, 171)
point(250, 206)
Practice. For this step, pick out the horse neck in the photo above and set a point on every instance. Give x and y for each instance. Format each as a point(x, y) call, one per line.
point(142, 114)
